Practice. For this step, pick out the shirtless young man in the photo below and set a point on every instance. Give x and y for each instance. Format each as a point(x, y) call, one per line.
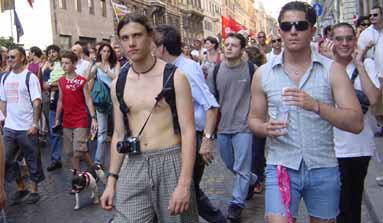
point(154, 186)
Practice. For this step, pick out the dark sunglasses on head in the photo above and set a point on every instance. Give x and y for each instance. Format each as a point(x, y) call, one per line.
point(373, 15)
point(365, 24)
point(11, 57)
point(342, 38)
point(299, 26)
point(276, 40)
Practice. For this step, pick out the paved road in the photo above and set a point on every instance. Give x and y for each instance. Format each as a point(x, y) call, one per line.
point(56, 205)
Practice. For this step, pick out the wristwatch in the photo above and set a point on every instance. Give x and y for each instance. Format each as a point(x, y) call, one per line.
point(114, 175)
point(209, 136)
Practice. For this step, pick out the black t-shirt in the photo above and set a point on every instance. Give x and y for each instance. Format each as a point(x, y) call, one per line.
point(46, 76)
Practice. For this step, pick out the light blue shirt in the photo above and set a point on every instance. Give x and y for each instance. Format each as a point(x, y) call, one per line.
point(309, 137)
point(203, 100)
point(101, 75)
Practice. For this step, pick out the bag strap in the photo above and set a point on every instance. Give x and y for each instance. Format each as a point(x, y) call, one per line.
point(354, 75)
point(27, 78)
point(170, 95)
point(215, 73)
point(158, 99)
point(120, 88)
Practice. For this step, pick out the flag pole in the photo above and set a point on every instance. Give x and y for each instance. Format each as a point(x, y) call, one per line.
point(10, 16)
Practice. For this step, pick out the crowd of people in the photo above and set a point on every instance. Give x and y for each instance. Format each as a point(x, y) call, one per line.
point(291, 115)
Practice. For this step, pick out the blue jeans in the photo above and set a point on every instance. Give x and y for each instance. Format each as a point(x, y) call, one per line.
point(319, 188)
point(236, 150)
point(18, 142)
point(102, 133)
point(55, 139)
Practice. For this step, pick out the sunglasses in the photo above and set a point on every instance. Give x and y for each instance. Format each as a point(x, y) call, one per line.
point(11, 57)
point(343, 38)
point(365, 24)
point(259, 37)
point(299, 26)
point(276, 40)
point(373, 15)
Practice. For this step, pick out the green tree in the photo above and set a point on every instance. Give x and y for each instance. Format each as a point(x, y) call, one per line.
point(7, 42)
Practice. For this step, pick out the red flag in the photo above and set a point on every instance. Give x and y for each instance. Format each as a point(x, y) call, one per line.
point(30, 3)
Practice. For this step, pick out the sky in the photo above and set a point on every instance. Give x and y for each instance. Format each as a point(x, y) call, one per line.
point(274, 6)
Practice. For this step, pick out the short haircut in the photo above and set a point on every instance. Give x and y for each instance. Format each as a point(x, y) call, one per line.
point(22, 52)
point(136, 18)
point(240, 37)
point(169, 37)
point(36, 51)
point(377, 7)
point(213, 41)
point(361, 19)
point(309, 11)
point(344, 24)
point(70, 55)
point(327, 29)
point(52, 47)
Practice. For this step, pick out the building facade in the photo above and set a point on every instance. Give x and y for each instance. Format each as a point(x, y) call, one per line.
point(212, 18)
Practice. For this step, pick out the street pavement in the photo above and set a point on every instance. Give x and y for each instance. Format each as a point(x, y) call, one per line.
point(56, 204)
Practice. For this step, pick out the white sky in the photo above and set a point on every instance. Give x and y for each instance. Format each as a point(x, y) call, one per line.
point(35, 22)
point(274, 6)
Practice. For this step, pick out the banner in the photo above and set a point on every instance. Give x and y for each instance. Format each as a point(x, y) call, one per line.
point(229, 25)
point(19, 27)
point(7, 5)
point(119, 10)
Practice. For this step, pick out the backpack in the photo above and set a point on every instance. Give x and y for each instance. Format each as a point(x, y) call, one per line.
point(362, 97)
point(27, 78)
point(101, 96)
point(215, 72)
point(168, 92)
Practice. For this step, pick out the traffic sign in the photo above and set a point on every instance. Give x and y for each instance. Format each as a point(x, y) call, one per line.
point(318, 9)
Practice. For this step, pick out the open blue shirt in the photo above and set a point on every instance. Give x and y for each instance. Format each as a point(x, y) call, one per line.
point(203, 100)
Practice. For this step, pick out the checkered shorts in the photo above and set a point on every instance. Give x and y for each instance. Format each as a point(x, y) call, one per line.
point(145, 185)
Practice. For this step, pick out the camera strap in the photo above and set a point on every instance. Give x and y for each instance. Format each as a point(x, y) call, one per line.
point(158, 99)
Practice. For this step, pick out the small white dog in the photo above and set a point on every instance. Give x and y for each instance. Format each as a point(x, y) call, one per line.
point(87, 181)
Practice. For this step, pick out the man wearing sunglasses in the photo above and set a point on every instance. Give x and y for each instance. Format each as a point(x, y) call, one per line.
point(261, 38)
point(301, 161)
point(276, 45)
point(374, 34)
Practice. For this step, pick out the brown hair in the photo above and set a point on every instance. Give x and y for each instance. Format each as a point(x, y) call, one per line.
point(70, 55)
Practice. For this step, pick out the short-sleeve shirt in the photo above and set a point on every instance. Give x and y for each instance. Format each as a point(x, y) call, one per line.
point(19, 106)
point(75, 113)
point(81, 67)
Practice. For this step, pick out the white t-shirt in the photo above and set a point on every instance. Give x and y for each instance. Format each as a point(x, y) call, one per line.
point(376, 52)
point(15, 93)
point(81, 67)
point(270, 56)
point(355, 145)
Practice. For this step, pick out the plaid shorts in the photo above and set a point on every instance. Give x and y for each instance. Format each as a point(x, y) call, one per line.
point(145, 185)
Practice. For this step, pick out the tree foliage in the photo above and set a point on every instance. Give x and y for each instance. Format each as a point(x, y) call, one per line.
point(7, 42)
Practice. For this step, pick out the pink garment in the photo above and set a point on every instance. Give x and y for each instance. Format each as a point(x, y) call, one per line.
point(284, 188)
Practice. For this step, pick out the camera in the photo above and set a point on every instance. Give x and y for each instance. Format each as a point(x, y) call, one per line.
point(130, 145)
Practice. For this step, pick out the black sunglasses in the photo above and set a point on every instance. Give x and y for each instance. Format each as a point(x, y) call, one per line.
point(276, 40)
point(11, 57)
point(299, 26)
point(373, 15)
point(365, 24)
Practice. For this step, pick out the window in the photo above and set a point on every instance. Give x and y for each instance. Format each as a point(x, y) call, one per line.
point(103, 8)
point(77, 5)
point(87, 40)
point(91, 6)
point(65, 41)
point(62, 4)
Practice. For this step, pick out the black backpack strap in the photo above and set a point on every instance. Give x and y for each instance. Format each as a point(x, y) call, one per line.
point(354, 75)
point(215, 73)
point(4, 77)
point(169, 93)
point(27, 78)
point(120, 88)
point(251, 70)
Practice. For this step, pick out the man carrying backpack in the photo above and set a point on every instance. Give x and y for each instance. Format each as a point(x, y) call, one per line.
point(230, 83)
point(153, 144)
point(20, 95)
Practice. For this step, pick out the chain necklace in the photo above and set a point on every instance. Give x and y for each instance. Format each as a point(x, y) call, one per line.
point(147, 71)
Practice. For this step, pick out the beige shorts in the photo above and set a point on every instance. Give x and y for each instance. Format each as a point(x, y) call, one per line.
point(75, 140)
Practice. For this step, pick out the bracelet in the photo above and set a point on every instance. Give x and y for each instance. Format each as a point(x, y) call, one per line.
point(93, 117)
point(114, 175)
point(318, 108)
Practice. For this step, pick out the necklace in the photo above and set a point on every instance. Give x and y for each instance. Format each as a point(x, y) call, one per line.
point(144, 72)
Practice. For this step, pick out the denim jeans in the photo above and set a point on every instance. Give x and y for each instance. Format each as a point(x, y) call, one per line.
point(205, 209)
point(102, 133)
point(55, 139)
point(259, 160)
point(16, 141)
point(236, 153)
